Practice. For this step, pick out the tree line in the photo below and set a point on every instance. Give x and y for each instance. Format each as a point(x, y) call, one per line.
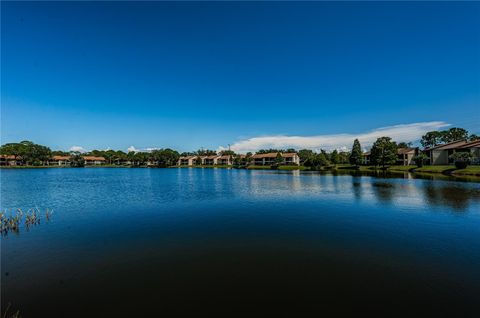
point(382, 153)
point(435, 138)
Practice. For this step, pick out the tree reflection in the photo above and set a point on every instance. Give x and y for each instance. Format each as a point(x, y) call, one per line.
point(384, 191)
point(454, 196)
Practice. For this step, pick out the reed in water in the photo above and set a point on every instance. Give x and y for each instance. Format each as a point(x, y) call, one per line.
point(11, 219)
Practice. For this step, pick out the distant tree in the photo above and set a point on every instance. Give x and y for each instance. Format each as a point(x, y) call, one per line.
point(356, 154)
point(473, 137)
point(264, 151)
point(248, 158)
point(334, 157)
point(404, 144)
point(454, 134)
point(304, 154)
point(140, 158)
point(12, 149)
point(164, 157)
point(27, 152)
point(97, 153)
point(131, 157)
point(326, 155)
point(322, 159)
point(383, 152)
point(198, 160)
point(431, 139)
point(316, 161)
point(237, 161)
point(60, 153)
point(227, 152)
point(278, 158)
point(76, 159)
point(205, 152)
point(109, 156)
point(290, 150)
point(120, 156)
point(344, 156)
point(420, 159)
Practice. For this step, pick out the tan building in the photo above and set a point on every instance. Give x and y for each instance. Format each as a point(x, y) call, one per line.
point(210, 160)
point(268, 159)
point(404, 156)
point(225, 160)
point(93, 160)
point(187, 161)
point(439, 155)
point(60, 160)
point(9, 160)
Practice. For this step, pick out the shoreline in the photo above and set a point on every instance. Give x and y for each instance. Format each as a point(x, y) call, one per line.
point(450, 171)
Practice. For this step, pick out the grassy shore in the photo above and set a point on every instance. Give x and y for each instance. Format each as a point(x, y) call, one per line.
point(285, 168)
point(203, 166)
point(445, 170)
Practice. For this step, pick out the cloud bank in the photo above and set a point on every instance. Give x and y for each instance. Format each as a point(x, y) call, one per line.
point(150, 149)
point(78, 148)
point(399, 133)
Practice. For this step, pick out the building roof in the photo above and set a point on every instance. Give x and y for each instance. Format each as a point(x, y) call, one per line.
point(224, 157)
point(404, 151)
point(471, 144)
point(212, 157)
point(93, 158)
point(273, 155)
point(188, 157)
point(450, 145)
point(8, 157)
point(61, 158)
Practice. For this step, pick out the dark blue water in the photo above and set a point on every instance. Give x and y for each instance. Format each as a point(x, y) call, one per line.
point(132, 242)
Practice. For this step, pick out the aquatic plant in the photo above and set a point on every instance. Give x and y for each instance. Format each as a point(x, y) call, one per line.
point(13, 315)
point(11, 219)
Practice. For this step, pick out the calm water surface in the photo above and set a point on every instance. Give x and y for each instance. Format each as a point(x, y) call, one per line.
point(126, 242)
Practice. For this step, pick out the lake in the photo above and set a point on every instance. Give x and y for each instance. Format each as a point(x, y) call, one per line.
point(127, 242)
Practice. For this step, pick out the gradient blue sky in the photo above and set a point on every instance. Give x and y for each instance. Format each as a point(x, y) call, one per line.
point(191, 75)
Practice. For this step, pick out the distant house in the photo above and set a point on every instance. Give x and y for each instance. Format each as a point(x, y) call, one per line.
point(210, 160)
point(10, 160)
point(268, 159)
point(439, 155)
point(474, 148)
point(60, 160)
point(225, 160)
point(93, 160)
point(366, 158)
point(404, 156)
point(187, 160)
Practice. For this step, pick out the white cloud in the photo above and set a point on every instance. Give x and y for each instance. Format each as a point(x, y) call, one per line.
point(149, 149)
point(78, 148)
point(132, 148)
point(403, 132)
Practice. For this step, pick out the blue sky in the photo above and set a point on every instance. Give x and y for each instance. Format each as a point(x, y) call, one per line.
point(191, 75)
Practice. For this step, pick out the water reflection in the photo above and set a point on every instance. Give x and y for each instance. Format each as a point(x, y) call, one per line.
point(451, 195)
point(384, 191)
point(170, 236)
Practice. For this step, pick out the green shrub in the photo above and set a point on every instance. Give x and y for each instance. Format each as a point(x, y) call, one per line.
point(461, 159)
point(420, 160)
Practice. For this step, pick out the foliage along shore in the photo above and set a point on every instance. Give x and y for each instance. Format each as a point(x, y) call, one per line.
point(383, 156)
point(445, 170)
